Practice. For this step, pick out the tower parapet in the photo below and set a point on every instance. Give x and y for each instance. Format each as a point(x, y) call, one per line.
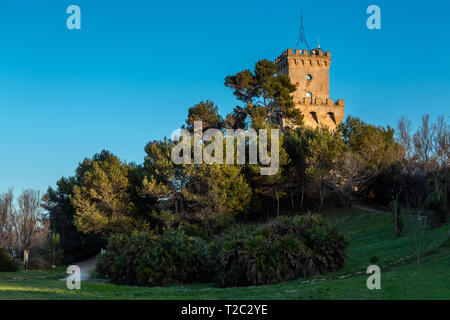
point(299, 52)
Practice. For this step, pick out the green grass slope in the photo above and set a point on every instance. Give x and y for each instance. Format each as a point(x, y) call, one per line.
point(371, 236)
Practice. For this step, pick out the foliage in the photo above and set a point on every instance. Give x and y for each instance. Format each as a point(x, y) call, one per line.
point(236, 120)
point(296, 144)
point(175, 258)
point(376, 145)
point(164, 180)
point(438, 210)
point(266, 96)
point(379, 155)
point(220, 193)
point(207, 194)
point(150, 260)
point(207, 113)
point(107, 196)
point(284, 249)
point(122, 257)
point(369, 234)
point(7, 263)
point(269, 190)
point(76, 246)
point(196, 230)
point(103, 200)
point(324, 148)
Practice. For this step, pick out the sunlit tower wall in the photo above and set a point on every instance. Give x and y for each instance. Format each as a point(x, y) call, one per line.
point(309, 71)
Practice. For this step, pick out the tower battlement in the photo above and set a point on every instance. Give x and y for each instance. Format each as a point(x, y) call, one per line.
point(298, 52)
point(309, 70)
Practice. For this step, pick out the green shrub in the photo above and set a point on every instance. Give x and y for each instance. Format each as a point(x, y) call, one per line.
point(147, 259)
point(120, 261)
point(7, 263)
point(284, 249)
point(229, 264)
point(195, 230)
point(175, 258)
point(437, 210)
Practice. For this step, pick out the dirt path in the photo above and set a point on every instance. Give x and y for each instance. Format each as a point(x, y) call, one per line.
point(367, 208)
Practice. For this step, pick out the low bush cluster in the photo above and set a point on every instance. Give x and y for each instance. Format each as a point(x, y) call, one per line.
point(7, 262)
point(149, 260)
point(284, 249)
point(121, 259)
point(176, 258)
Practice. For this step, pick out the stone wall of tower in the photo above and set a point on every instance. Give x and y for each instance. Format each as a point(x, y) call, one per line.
point(310, 72)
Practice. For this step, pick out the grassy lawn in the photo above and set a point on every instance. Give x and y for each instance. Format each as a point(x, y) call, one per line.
point(371, 237)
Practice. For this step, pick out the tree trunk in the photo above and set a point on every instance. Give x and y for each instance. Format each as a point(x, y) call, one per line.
point(278, 201)
point(436, 186)
point(292, 201)
point(322, 196)
point(303, 195)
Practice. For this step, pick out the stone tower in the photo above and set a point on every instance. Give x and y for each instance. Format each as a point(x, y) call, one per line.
point(310, 72)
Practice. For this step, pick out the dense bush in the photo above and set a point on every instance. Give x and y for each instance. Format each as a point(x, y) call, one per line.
point(120, 261)
point(146, 259)
point(438, 210)
point(284, 249)
point(176, 258)
point(7, 263)
point(195, 230)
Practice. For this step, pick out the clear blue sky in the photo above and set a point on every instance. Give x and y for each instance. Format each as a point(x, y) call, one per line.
point(130, 74)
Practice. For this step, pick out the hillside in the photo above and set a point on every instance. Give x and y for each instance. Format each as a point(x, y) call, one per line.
point(372, 241)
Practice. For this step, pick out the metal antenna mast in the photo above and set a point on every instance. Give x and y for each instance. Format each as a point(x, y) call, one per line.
point(302, 35)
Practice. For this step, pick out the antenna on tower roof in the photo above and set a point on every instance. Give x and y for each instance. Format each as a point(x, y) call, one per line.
point(302, 35)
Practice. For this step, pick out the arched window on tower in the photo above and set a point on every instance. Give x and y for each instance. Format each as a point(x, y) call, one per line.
point(314, 116)
point(309, 96)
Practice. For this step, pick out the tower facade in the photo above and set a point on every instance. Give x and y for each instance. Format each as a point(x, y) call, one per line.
point(309, 70)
